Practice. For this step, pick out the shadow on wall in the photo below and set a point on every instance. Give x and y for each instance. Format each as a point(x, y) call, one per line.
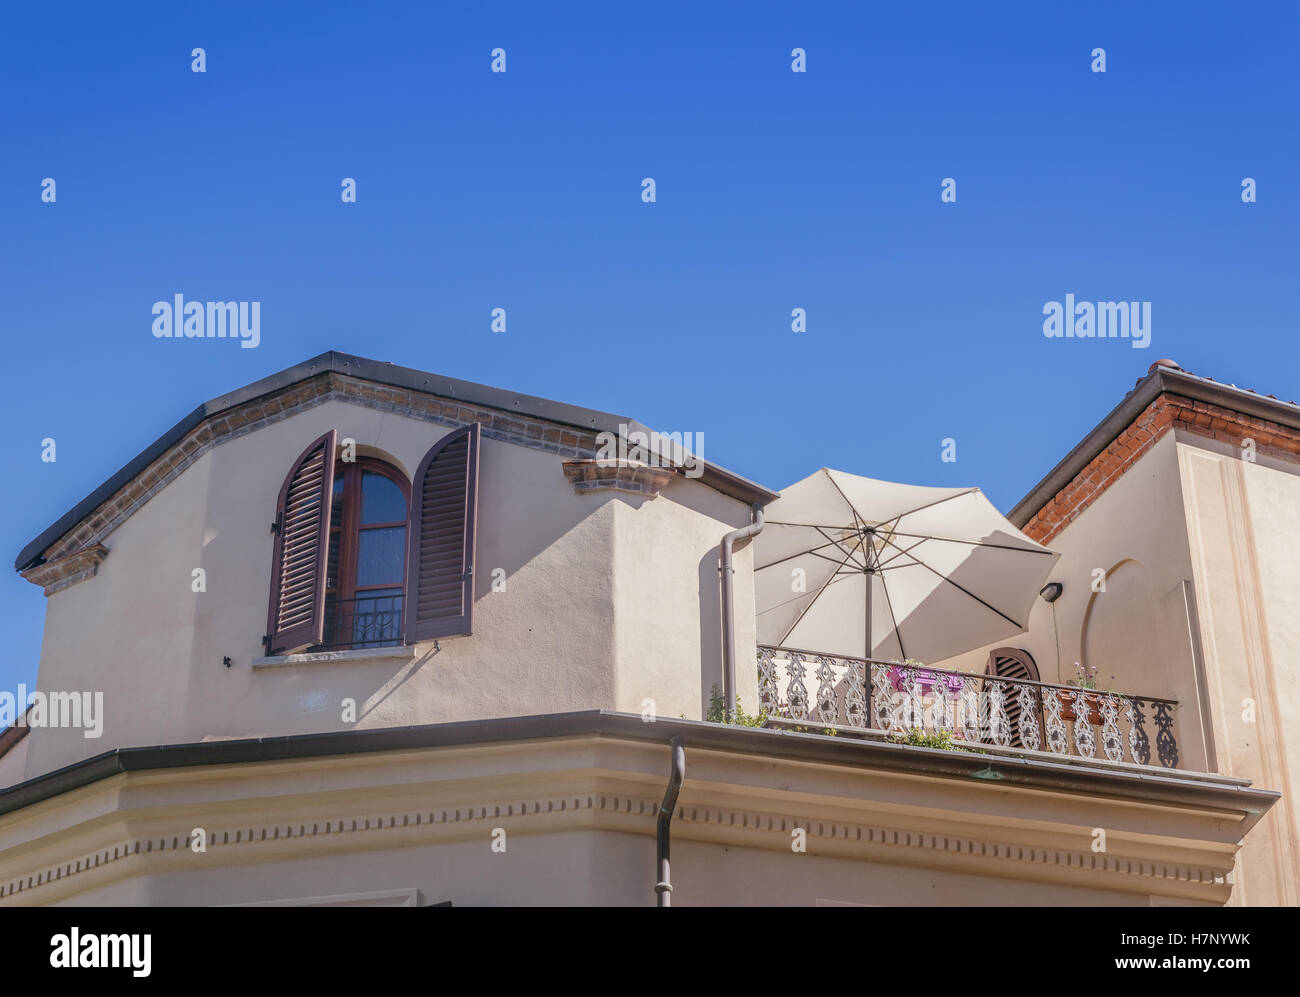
point(1119, 632)
point(710, 592)
point(525, 508)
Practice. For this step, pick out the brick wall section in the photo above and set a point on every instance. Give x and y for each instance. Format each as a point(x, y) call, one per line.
point(1166, 412)
point(538, 434)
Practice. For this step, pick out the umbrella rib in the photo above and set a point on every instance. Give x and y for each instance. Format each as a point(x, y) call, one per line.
point(967, 591)
point(833, 561)
point(811, 603)
point(852, 508)
point(973, 543)
point(869, 556)
point(930, 505)
point(848, 551)
point(898, 634)
point(882, 564)
point(831, 581)
point(806, 526)
point(801, 553)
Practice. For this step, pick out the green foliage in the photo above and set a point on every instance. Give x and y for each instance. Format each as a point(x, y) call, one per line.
point(919, 738)
point(1086, 678)
point(942, 739)
point(718, 710)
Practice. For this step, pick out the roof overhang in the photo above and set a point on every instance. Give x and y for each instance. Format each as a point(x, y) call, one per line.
point(1113, 781)
point(390, 375)
point(1160, 380)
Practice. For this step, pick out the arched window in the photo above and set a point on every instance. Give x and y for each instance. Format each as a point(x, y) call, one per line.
point(364, 559)
point(1014, 663)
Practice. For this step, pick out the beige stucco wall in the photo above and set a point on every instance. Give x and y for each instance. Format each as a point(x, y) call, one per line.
point(13, 763)
point(1244, 527)
point(666, 586)
point(609, 599)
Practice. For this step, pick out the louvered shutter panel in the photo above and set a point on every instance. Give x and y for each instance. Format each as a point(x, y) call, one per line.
point(297, 617)
point(440, 562)
point(1009, 666)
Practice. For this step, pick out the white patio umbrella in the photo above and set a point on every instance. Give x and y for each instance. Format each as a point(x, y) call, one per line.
point(865, 568)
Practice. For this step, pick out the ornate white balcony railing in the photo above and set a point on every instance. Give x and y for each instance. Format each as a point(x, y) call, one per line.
point(829, 690)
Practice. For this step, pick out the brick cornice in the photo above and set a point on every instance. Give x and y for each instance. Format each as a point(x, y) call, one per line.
point(592, 475)
point(67, 568)
point(1167, 411)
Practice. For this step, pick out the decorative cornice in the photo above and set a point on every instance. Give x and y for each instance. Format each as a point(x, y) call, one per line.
point(594, 475)
point(754, 828)
point(67, 568)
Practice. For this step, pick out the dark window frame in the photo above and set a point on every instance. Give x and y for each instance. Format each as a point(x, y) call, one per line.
point(349, 531)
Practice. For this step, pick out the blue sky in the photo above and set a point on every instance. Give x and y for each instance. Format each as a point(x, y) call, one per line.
point(522, 190)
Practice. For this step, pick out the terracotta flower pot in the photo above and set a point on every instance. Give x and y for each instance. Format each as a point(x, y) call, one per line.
point(1067, 706)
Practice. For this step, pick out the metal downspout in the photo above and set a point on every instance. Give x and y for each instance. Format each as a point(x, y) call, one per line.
point(729, 608)
point(664, 887)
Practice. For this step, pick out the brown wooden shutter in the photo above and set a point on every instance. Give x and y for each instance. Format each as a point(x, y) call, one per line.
point(1013, 663)
point(440, 562)
point(297, 616)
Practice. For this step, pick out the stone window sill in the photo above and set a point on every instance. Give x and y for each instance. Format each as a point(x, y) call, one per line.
point(401, 653)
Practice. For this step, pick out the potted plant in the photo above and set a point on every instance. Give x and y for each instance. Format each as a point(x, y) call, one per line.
point(1084, 679)
point(925, 679)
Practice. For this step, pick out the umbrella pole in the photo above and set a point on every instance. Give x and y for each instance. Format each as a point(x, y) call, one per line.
point(868, 553)
point(870, 573)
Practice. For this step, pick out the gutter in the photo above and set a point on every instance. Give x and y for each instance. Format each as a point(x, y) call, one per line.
point(1178, 787)
point(729, 606)
point(664, 887)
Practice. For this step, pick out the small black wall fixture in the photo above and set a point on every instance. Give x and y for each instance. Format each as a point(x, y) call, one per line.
point(664, 887)
point(226, 661)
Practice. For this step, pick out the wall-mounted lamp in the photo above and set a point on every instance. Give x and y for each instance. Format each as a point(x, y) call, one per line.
point(1051, 591)
point(226, 661)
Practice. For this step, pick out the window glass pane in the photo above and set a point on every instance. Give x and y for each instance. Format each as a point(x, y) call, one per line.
point(332, 562)
point(380, 556)
point(336, 505)
point(381, 500)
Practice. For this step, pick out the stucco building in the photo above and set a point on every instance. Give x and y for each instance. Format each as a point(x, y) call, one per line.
point(368, 635)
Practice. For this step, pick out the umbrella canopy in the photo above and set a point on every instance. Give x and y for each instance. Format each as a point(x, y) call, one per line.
point(866, 568)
